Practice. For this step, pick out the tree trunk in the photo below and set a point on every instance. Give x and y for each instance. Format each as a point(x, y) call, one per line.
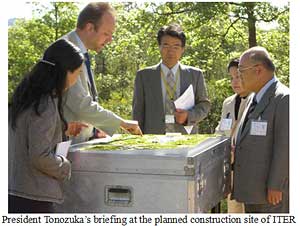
point(56, 19)
point(251, 24)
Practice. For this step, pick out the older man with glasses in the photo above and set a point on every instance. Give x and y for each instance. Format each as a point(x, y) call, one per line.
point(261, 167)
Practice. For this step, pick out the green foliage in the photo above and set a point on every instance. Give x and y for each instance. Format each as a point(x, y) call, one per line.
point(28, 39)
point(61, 18)
point(115, 93)
point(216, 32)
point(27, 42)
point(277, 44)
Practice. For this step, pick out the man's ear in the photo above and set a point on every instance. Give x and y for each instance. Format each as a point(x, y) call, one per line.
point(259, 69)
point(89, 27)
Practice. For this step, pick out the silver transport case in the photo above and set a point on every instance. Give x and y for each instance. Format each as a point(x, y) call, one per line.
point(186, 180)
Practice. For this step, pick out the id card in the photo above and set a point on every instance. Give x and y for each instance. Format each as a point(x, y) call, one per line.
point(169, 119)
point(225, 124)
point(259, 127)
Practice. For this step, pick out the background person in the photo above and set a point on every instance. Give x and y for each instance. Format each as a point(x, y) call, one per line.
point(232, 110)
point(157, 87)
point(233, 106)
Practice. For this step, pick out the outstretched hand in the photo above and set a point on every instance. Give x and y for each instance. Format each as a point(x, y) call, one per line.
point(74, 128)
point(100, 134)
point(131, 126)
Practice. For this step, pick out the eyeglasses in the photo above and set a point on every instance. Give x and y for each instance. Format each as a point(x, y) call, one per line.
point(241, 70)
point(167, 46)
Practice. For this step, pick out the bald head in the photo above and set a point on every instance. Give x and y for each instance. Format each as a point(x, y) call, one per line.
point(255, 68)
point(259, 55)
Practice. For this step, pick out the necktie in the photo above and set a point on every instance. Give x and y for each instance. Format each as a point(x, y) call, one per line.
point(169, 100)
point(91, 83)
point(250, 110)
point(91, 80)
point(170, 94)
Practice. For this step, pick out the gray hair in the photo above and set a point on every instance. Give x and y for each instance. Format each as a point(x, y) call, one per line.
point(260, 55)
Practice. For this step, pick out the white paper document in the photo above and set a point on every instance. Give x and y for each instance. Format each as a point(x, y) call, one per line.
point(63, 147)
point(186, 101)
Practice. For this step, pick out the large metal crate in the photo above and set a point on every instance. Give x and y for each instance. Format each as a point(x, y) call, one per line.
point(186, 180)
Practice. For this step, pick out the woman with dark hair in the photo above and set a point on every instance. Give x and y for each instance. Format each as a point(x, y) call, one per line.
point(36, 126)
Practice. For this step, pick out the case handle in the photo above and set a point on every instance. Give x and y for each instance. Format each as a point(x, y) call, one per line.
point(118, 195)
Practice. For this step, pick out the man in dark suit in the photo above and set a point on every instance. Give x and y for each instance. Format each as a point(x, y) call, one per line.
point(157, 87)
point(261, 168)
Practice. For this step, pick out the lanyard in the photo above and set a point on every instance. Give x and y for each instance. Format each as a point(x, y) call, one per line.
point(170, 92)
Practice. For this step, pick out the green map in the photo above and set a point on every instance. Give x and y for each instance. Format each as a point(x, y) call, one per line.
point(147, 142)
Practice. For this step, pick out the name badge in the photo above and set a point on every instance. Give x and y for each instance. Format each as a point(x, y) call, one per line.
point(169, 119)
point(258, 128)
point(225, 124)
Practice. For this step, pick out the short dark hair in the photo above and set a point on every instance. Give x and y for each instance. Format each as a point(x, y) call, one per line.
point(233, 63)
point(93, 13)
point(173, 30)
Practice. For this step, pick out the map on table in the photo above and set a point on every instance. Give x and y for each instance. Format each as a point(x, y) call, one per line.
point(145, 142)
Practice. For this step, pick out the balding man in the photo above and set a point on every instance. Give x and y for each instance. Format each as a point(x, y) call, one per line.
point(261, 168)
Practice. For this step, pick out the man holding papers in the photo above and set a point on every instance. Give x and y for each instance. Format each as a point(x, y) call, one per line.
point(169, 96)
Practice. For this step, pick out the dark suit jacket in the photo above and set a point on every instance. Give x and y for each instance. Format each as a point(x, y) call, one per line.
point(262, 162)
point(147, 104)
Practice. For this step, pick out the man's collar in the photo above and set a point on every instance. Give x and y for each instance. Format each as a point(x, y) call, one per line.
point(165, 69)
point(80, 43)
point(262, 91)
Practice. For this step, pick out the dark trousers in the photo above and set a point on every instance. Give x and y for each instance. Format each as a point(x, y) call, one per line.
point(21, 205)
